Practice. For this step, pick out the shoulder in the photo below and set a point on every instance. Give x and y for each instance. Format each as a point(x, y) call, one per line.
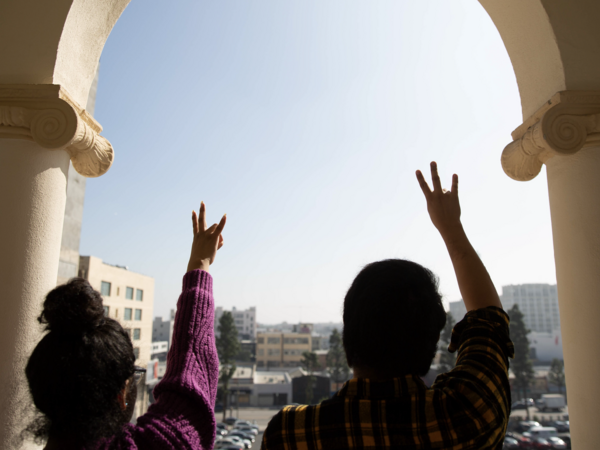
point(291, 426)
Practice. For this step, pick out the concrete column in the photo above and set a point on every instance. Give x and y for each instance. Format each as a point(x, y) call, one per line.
point(32, 204)
point(574, 190)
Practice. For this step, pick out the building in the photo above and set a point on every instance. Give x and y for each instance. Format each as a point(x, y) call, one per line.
point(162, 330)
point(537, 302)
point(128, 297)
point(458, 310)
point(245, 322)
point(252, 387)
point(539, 305)
point(276, 349)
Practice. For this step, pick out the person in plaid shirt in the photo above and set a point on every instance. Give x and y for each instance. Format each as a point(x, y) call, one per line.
point(393, 316)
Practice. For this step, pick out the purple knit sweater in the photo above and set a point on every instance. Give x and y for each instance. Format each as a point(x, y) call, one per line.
point(182, 416)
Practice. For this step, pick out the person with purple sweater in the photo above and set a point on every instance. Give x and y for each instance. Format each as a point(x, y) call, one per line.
point(82, 376)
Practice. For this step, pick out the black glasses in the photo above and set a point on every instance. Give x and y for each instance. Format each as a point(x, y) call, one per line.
point(138, 372)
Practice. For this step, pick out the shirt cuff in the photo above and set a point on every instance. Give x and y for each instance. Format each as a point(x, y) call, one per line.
point(197, 278)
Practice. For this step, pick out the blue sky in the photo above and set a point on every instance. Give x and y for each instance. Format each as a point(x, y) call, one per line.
point(305, 121)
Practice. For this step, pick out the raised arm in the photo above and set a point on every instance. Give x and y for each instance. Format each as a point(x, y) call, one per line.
point(443, 206)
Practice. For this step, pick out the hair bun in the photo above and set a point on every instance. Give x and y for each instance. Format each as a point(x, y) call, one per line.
point(73, 308)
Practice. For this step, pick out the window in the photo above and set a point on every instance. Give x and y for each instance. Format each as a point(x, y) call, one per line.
point(106, 310)
point(273, 340)
point(138, 314)
point(127, 314)
point(105, 288)
point(128, 331)
point(136, 352)
point(136, 334)
point(273, 352)
point(129, 293)
point(261, 352)
point(139, 295)
point(260, 340)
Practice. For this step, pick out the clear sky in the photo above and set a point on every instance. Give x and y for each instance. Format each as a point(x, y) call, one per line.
point(305, 121)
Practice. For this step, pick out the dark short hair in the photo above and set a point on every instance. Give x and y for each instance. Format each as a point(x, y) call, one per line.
point(77, 370)
point(393, 315)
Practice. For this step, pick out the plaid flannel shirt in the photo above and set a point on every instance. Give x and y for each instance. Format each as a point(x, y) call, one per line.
point(466, 408)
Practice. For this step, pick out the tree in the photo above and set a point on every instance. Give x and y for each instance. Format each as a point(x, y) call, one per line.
point(447, 359)
point(556, 375)
point(337, 365)
point(310, 363)
point(228, 347)
point(521, 365)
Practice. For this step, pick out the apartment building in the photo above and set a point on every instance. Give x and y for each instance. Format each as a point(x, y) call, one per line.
point(162, 330)
point(245, 322)
point(537, 302)
point(276, 349)
point(128, 297)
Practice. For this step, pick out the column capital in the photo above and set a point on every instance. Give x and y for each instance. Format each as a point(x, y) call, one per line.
point(568, 122)
point(47, 115)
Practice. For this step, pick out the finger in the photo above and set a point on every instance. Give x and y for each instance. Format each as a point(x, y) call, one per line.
point(211, 229)
point(221, 225)
point(195, 222)
point(221, 242)
point(202, 219)
point(454, 188)
point(435, 178)
point(423, 184)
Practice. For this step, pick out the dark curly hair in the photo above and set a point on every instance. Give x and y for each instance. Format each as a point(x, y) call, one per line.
point(77, 370)
point(393, 315)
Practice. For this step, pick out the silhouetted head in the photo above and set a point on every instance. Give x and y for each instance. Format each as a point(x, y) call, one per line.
point(80, 368)
point(393, 315)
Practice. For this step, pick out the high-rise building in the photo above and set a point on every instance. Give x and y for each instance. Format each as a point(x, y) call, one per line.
point(458, 310)
point(245, 322)
point(537, 302)
point(162, 330)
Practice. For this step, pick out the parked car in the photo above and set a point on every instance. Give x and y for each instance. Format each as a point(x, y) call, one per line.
point(242, 435)
point(230, 420)
point(510, 443)
point(541, 444)
point(526, 425)
point(221, 432)
point(541, 432)
point(557, 443)
point(234, 440)
point(246, 424)
point(567, 440)
point(560, 425)
point(246, 429)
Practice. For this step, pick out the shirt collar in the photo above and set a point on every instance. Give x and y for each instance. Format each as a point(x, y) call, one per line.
point(369, 389)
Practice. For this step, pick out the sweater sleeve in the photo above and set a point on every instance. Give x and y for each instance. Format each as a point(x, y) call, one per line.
point(183, 414)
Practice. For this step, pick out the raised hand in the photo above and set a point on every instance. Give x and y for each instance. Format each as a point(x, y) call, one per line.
point(206, 240)
point(442, 205)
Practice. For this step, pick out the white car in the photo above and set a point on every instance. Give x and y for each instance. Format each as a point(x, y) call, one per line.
point(246, 429)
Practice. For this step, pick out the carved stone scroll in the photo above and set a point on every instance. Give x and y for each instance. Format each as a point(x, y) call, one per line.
point(569, 122)
point(48, 116)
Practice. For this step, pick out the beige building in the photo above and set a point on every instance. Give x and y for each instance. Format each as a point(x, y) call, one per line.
point(128, 297)
point(276, 349)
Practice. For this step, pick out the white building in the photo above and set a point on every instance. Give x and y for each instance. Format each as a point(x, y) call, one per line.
point(537, 302)
point(162, 330)
point(252, 387)
point(458, 310)
point(245, 322)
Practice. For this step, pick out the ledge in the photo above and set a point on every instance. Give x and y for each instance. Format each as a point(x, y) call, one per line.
point(47, 115)
point(568, 122)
